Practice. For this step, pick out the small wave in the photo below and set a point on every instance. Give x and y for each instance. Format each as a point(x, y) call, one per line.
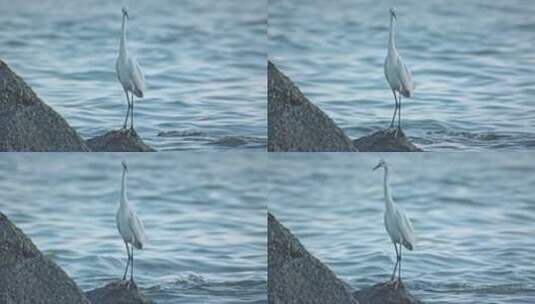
point(239, 141)
point(460, 288)
point(187, 133)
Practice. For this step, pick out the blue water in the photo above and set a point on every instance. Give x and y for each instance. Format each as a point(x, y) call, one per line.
point(204, 217)
point(472, 62)
point(472, 213)
point(204, 64)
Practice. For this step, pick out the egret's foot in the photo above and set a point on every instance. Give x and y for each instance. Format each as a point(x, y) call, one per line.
point(393, 283)
point(397, 131)
point(130, 284)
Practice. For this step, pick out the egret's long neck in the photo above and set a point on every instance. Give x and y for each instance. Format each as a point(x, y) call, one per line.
point(123, 189)
point(122, 47)
point(388, 198)
point(392, 38)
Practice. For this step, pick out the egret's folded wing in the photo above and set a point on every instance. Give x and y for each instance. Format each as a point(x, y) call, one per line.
point(405, 76)
point(137, 76)
point(405, 225)
point(136, 226)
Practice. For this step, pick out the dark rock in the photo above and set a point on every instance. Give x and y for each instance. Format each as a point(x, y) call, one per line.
point(295, 124)
point(295, 276)
point(385, 141)
point(27, 123)
point(27, 276)
point(117, 293)
point(386, 294)
point(124, 140)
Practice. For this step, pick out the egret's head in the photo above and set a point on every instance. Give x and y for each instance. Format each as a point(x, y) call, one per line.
point(381, 164)
point(125, 167)
point(125, 12)
point(393, 13)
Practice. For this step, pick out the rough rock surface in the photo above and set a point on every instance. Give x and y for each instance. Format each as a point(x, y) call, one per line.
point(27, 276)
point(384, 293)
point(385, 141)
point(124, 140)
point(27, 123)
point(295, 276)
point(295, 124)
point(117, 293)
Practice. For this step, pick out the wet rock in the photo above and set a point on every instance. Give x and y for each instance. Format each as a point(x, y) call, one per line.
point(295, 276)
point(27, 123)
point(124, 140)
point(27, 276)
point(295, 124)
point(386, 294)
point(385, 141)
point(117, 293)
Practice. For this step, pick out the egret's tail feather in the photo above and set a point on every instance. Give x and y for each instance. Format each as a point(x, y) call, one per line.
point(138, 245)
point(407, 245)
point(138, 93)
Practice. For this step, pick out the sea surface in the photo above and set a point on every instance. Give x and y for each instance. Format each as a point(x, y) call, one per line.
point(204, 63)
point(473, 216)
point(204, 218)
point(472, 63)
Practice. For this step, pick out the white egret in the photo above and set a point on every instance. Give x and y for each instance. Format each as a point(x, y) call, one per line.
point(129, 73)
point(130, 226)
point(397, 74)
point(397, 224)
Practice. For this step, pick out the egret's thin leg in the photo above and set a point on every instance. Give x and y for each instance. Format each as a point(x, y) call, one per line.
point(127, 111)
point(395, 109)
point(127, 263)
point(399, 114)
point(132, 117)
point(132, 268)
point(396, 265)
point(399, 269)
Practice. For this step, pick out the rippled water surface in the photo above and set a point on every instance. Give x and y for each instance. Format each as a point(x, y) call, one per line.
point(204, 217)
point(472, 62)
point(204, 66)
point(473, 216)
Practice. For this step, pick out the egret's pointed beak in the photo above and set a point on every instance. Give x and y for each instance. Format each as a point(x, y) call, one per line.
point(376, 167)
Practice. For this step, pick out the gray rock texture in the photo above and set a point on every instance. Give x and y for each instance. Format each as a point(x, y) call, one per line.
point(384, 293)
point(125, 140)
point(385, 141)
point(27, 123)
point(295, 276)
point(295, 124)
point(29, 277)
point(117, 293)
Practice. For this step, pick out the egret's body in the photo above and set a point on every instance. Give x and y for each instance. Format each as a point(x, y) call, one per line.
point(397, 223)
point(397, 74)
point(129, 225)
point(129, 73)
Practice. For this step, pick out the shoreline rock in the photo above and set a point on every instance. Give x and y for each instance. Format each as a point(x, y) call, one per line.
point(27, 123)
point(295, 124)
point(386, 141)
point(124, 140)
point(385, 294)
point(27, 276)
point(296, 276)
point(117, 293)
